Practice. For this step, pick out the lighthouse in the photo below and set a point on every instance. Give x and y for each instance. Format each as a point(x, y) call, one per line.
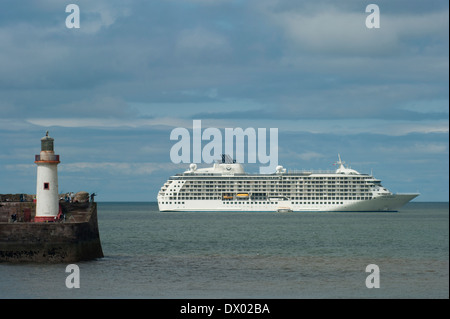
point(47, 201)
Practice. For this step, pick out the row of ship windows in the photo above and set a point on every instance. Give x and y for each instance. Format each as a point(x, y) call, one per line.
point(266, 203)
point(277, 193)
point(264, 191)
point(319, 196)
point(253, 202)
point(287, 191)
point(292, 203)
point(275, 186)
point(266, 184)
point(275, 178)
point(272, 182)
point(230, 188)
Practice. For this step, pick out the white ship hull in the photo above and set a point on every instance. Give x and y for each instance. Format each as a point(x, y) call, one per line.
point(387, 203)
point(226, 187)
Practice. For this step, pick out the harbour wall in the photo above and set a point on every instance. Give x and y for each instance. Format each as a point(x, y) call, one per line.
point(75, 238)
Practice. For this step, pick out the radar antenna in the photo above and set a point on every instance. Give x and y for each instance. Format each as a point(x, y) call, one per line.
point(226, 159)
point(339, 162)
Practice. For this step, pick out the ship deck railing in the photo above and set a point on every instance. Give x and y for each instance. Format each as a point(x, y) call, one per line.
point(273, 175)
point(293, 172)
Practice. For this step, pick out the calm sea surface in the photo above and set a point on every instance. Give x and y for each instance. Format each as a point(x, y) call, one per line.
point(149, 254)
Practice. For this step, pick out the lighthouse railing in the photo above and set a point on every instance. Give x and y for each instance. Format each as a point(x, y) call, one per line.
point(52, 158)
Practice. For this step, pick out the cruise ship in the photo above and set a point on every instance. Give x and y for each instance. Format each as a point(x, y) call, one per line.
point(226, 187)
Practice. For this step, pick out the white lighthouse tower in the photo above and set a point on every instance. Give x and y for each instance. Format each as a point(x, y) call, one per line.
point(47, 201)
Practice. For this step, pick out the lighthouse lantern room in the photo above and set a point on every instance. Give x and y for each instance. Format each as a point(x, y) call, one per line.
point(47, 200)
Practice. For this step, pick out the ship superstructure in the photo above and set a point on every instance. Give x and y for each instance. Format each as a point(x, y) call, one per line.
point(226, 187)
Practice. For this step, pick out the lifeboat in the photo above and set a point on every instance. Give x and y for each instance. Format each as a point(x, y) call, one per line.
point(284, 210)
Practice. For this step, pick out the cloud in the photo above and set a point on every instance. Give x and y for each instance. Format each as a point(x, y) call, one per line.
point(116, 168)
point(86, 122)
point(329, 30)
point(417, 148)
point(200, 41)
point(101, 168)
point(111, 91)
point(98, 106)
point(101, 14)
point(23, 168)
point(301, 108)
point(334, 32)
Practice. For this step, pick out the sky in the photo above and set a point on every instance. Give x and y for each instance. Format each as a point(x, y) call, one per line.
point(111, 91)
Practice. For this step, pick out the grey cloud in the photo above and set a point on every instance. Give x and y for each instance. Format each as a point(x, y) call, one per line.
point(194, 59)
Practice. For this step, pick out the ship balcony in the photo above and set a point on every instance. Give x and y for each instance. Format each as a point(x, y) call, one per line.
point(47, 158)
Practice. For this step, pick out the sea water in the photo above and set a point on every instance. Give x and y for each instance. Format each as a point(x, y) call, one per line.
point(151, 254)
